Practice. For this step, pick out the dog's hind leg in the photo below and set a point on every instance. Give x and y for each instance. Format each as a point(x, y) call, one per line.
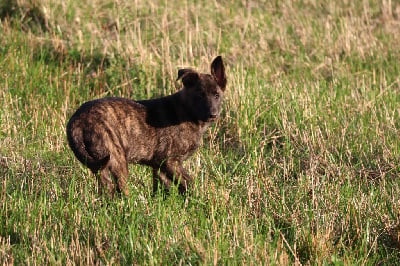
point(105, 181)
point(119, 170)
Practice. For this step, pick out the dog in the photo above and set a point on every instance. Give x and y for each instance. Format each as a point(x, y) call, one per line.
point(109, 133)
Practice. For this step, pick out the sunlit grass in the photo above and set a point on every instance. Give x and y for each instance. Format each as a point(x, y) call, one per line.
point(302, 167)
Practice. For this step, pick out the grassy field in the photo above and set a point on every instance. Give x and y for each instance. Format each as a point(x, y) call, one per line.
point(302, 167)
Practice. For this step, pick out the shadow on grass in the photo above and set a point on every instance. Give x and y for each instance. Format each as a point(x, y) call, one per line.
point(29, 14)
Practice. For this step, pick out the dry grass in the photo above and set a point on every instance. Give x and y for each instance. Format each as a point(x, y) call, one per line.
point(301, 168)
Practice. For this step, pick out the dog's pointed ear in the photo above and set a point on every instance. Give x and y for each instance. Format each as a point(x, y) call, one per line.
point(189, 77)
point(218, 72)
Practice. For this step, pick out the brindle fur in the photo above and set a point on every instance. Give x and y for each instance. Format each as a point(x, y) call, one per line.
point(106, 134)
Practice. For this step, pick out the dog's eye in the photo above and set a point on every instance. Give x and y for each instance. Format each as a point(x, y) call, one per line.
point(216, 95)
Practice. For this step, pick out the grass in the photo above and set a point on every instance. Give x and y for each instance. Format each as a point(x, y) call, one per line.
point(302, 167)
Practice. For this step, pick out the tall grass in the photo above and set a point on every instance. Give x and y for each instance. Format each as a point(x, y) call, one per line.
point(301, 168)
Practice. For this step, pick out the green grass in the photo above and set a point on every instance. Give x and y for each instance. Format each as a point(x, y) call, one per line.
point(302, 167)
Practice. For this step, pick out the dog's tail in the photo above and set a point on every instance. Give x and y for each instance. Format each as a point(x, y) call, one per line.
point(77, 145)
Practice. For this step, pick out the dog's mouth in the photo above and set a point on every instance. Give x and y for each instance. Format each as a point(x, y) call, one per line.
point(212, 118)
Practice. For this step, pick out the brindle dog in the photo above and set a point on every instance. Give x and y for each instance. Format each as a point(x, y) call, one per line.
point(106, 134)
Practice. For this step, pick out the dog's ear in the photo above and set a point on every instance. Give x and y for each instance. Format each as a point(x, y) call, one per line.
point(189, 77)
point(218, 72)
point(182, 72)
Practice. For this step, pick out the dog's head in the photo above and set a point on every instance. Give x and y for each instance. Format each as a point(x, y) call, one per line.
point(203, 93)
